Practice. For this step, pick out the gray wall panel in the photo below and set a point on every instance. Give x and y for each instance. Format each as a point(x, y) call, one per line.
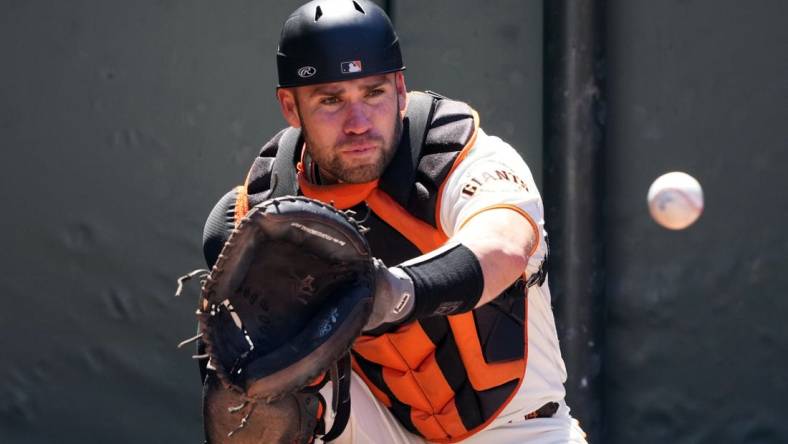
point(488, 54)
point(696, 349)
point(121, 123)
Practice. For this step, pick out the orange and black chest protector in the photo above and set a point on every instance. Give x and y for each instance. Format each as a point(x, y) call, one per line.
point(444, 377)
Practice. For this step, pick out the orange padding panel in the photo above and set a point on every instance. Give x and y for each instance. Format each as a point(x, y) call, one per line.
point(412, 374)
point(440, 426)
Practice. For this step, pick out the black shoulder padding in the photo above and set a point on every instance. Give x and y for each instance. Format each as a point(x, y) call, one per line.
point(283, 180)
point(260, 173)
point(401, 172)
point(218, 226)
point(273, 173)
point(451, 127)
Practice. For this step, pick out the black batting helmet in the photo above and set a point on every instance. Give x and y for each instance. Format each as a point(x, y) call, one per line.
point(334, 40)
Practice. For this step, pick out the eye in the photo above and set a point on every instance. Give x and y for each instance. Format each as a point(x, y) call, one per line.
point(329, 100)
point(375, 92)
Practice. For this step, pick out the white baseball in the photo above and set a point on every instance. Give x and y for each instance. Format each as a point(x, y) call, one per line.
point(675, 200)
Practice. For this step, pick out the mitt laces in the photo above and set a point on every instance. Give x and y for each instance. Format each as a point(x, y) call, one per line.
point(351, 217)
point(202, 274)
point(245, 420)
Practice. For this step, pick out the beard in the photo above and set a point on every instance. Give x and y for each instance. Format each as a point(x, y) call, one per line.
point(333, 165)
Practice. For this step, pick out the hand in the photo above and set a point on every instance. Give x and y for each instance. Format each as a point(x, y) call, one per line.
point(394, 298)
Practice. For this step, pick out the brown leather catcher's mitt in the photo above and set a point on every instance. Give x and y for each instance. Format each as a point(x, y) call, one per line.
point(290, 292)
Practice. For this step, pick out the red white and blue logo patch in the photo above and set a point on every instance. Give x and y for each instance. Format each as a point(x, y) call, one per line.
point(351, 67)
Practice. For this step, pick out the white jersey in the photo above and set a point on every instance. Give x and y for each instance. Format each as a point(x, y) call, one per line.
point(492, 174)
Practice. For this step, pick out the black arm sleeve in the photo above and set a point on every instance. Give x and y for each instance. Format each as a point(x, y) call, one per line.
point(218, 226)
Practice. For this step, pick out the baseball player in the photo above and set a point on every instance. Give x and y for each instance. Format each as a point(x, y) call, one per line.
point(461, 345)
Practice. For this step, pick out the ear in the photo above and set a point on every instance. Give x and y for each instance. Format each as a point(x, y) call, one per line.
point(288, 106)
point(402, 92)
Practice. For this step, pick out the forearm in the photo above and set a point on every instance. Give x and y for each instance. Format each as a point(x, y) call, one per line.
point(501, 239)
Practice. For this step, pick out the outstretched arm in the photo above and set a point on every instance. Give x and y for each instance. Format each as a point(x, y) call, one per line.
point(502, 239)
point(492, 213)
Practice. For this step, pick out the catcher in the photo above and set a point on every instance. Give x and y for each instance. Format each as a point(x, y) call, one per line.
point(384, 231)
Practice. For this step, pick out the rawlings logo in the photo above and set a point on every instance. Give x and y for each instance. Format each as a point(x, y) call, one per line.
point(306, 71)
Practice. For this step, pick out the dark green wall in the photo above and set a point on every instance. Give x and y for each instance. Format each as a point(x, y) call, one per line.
point(486, 53)
point(121, 123)
point(696, 335)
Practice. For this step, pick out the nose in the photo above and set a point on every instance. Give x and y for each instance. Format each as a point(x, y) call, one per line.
point(357, 121)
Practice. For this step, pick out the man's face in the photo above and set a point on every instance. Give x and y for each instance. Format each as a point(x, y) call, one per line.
point(351, 128)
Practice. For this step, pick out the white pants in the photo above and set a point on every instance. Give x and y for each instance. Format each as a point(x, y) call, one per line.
point(371, 422)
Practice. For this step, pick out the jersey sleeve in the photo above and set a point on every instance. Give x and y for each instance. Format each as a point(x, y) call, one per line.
point(493, 175)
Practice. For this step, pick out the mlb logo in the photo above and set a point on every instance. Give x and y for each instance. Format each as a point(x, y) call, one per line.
point(351, 67)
